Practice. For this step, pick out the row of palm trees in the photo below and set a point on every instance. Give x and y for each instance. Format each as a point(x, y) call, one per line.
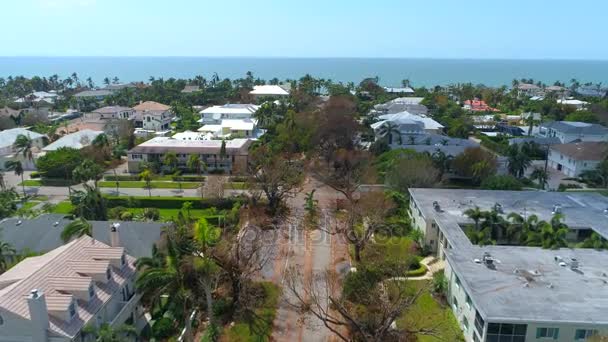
point(490, 227)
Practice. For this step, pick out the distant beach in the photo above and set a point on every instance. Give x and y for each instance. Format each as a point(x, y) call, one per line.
point(421, 72)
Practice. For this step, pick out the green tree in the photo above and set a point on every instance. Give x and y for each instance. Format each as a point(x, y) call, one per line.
point(519, 161)
point(89, 203)
point(170, 160)
point(522, 228)
point(541, 176)
point(86, 171)
point(59, 163)
point(476, 215)
point(599, 175)
point(595, 241)
point(23, 144)
point(105, 333)
point(7, 251)
point(146, 176)
point(17, 167)
point(310, 204)
point(195, 163)
point(77, 228)
point(223, 150)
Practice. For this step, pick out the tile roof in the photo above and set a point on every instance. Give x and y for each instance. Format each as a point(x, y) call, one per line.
point(56, 273)
point(583, 150)
point(163, 144)
point(151, 106)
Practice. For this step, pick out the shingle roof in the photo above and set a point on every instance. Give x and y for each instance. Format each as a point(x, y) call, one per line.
point(43, 233)
point(583, 150)
point(151, 106)
point(54, 276)
point(94, 93)
point(575, 127)
point(8, 136)
point(75, 140)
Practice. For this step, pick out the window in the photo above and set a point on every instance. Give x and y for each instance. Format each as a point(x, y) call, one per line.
point(136, 156)
point(457, 280)
point(123, 260)
point(1, 320)
point(547, 333)
point(455, 303)
point(500, 332)
point(479, 323)
point(584, 334)
point(465, 324)
point(92, 291)
point(468, 300)
point(109, 274)
point(475, 338)
point(72, 310)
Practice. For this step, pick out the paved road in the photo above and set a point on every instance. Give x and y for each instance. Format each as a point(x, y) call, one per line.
point(312, 252)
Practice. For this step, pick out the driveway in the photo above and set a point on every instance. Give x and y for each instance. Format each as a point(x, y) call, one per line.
point(555, 177)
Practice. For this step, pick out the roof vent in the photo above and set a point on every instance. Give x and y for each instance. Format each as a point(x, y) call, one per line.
point(34, 293)
point(526, 284)
point(436, 206)
point(477, 261)
point(574, 264)
point(488, 260)
point(550, 286)
point(114, 226)
point(563, 264)
point(19, 223)
point(558, 258)
point(56, 224)
point(557, 209)
point(498, 208)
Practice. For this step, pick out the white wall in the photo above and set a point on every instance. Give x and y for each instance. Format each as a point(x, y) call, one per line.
point(570, 167)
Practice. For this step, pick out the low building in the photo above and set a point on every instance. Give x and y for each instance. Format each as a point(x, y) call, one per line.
point(43, 234)
point(75, 140)
point(110, 113)
point(95, 94)
point(407, 123)
point(569, 131)
point(8, 151)
point(52, 297)
point(230, 120)
point(261, 91)
point(592, 91)
point(574, 158)
point(399, 90)
point(210, 152)
point(38, 99)
point(529, 90)
point(477, 105)
point(153, 116)
point(577, 104)
point(511, 293)
point(401, 104)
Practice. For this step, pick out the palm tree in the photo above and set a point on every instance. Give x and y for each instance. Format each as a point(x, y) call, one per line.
point(476, 215)
point(23, 144)
point(595, 241)
point(441, 161)
point(480, 237)
point(170, 160)
point(6, 251)
point(518, 161)
point(77, 228)
point(223, 153)
point(521, 228)
point(195, 163)
point(389, 129)
point(541, 176)
point(17, 167)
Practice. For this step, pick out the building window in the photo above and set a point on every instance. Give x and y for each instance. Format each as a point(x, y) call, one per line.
point(92, 291)
point(1, 320)
point(465, 324)
point(136, 156)
point(498, 332)
point(123, 260)
point(547, 333)
point(109, 274)
point(475, 338)
point(468, 300)
point(455, 304)
point(479, 323)
point(584, 334)
point(72, 310)
point(457, 280)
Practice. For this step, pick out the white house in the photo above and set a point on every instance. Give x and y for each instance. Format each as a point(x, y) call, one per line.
point(153, 116)
point(215, 114)
point(38, 98)
point(260, 91)
point(578, 104)
point(52, 297)
point(8, 152)
point(574, 158)
point(569, 131)
point(111, 112)
point(230, 120)
point(414, 123)
point(75, 140)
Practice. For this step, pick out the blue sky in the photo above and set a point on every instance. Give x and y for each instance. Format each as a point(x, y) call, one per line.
point(311, 28)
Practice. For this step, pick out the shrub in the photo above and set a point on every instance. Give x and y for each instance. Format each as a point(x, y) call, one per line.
point(170, 202)
point(57, 182)
point(563, 187)
point(126, 216)
point(116, 212)
point(188, 178)
point(59, 163)
point(420, 271)
point(163, 328)
point(217, 172)
point(35, 174)
point(151, 214)
point(501, 182)
point(112, 178)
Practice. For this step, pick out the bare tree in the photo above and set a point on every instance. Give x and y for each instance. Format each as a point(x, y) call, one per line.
point(214, 186)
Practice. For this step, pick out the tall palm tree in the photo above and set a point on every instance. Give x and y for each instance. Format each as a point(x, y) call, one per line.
point(170, 160)
point(476, 215)
point(23, 144)
point(195, 163)
point(541, 176)
point(480, 237)
point(77, 228)
point(551, 235)
point(6, 251)
point(521, 228)
point(2, 183)
point(388, 130)
point(17, 167)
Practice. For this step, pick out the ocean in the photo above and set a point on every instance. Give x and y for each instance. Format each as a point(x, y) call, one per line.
point(421, 72)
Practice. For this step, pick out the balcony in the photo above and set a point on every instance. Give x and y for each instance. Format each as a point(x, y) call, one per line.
point(124, 311)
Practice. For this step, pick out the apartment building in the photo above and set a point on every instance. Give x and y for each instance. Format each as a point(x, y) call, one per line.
point(52, 297)
point(514, 293)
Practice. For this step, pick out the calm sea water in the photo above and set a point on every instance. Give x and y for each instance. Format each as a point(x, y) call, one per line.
point(421, 72)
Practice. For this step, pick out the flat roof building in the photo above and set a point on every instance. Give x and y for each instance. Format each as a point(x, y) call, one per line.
point(515, 293)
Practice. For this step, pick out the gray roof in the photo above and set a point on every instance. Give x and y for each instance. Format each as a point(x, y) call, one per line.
point(453, 150)
point(554, 293)
point(94, 93)
point(537, 140)
point(8, 136)
point(41, 235)
point(75, 140)
point(111, 109)
point(574, 127)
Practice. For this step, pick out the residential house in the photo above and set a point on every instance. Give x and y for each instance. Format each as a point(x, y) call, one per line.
point(574, 158)
point(189, 136)
point(512, 293)
point(43, 234)
point(261, 91)
point(153, 116)
point(53, 297)
point(210, 152)
point(410, 123)
point(592, 91)
point(76, 140)
point(401, 104)
point(569, 131)
point(577, 104)
point(399, 90)
point(8, 152)
point(230, 120)
point(477, 105)
point(559, 91)
point(529, 90)
point(94, 94)
point(120, 86)
point(38, 99)
point(110, 113)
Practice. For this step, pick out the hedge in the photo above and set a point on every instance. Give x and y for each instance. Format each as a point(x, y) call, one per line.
point(122, 178)
point(417, 272)
point(35, 174)
point(188, 178)
point(169, 202)
point(57, 182)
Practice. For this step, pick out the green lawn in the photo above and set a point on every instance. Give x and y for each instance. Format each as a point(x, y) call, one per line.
point(236, 185)
point(428, 313)
point(155, 185)
point(31, 182)
point(64, 207)
point(261, 327)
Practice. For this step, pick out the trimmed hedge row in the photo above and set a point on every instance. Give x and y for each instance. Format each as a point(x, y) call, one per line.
point(169, 202)
point(188, 178)
point(122, 178)
point(57, 182)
